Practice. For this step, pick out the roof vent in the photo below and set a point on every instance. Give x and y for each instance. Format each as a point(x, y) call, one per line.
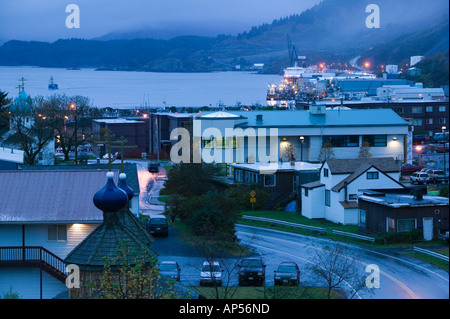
point(259, 117)
point(317, 109)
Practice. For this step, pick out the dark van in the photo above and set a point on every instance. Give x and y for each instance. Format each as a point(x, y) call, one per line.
point(157, 225)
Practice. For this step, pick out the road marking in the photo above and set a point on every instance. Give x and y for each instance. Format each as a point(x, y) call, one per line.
point(398, 282)
point(354, 246)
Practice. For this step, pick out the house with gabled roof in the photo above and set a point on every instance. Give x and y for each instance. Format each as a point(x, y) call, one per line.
point(335, 196)
point(44, 216)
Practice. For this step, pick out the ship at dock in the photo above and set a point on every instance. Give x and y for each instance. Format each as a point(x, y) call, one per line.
point(52, 85)
point(301, 83)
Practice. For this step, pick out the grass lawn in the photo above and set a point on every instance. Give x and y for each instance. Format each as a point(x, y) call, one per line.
point(297, 218)
point(278, 292)
point(430, 259)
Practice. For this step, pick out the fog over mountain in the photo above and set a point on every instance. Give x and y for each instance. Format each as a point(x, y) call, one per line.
point(330, 30)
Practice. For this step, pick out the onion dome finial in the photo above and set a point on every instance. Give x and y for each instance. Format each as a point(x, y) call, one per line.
point(110, 198)
point(123, 185)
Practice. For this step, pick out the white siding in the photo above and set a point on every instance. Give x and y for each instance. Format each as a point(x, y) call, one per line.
point(26, 282)
point(313, 206)
point(10, 235)
point(36, 235)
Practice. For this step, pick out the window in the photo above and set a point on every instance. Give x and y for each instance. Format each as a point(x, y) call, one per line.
point(416, 109)
point(325, 172)
point(238, 175)
point(342, 141)
point(208, 144)
point(250, 178)
point(372, 175)
point(376, 140)
point(269, 180)
point(398, 109)
point(428, 109)
point(327, 197)
point(417, 122)
point(405, 225)
point(362, 218)
point(57, 232)
point(429, 121)
point(221, 143)
point(442, 108)
point(442, 120)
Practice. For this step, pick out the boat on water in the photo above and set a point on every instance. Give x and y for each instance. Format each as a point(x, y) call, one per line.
point(52, 85)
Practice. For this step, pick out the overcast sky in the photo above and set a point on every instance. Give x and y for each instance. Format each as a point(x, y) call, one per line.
point(44, 20)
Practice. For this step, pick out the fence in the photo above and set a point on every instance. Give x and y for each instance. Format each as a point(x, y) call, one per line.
point(431, 253)
point(337, 232)
point(280, 222)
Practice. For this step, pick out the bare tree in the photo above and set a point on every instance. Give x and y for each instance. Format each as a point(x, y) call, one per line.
point(326, 152)
point(364, 150)
point(336, 264)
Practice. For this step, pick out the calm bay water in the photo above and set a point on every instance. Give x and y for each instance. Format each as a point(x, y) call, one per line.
point(123, 89)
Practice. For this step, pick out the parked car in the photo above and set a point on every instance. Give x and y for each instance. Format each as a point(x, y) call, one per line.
point(157, 225)
point(287, 273)
point(420, 178)
point(410, 168)
point(153, 167)
point(437, 176)
point(170, 269)
point(211, 274)
point(252, 270)
point(420, 139)
point(439, 137)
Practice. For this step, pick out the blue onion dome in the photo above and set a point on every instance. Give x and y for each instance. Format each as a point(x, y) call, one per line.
point(21, 104)
point(123, 185)
point(110, 198)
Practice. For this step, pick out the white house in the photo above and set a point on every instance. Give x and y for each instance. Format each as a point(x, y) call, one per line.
point(52, 211)
point(299, 134)
point(335, 196)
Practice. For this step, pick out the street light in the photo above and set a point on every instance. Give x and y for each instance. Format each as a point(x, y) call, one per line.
point(302, 140)
point(73, 107)
point(443, 141)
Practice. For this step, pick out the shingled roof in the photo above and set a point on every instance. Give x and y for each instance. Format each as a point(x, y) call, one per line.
point(106, 239)
point(349, 166)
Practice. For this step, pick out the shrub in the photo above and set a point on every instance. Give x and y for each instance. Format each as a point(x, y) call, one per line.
point(444, 191)
point(241, 194)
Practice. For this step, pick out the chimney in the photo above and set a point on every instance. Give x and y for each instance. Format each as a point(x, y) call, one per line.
point(418, 193)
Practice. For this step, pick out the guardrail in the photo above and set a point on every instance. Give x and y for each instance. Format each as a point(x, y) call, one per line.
point(280, 222)
point(431, 253)
point(338, 232)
